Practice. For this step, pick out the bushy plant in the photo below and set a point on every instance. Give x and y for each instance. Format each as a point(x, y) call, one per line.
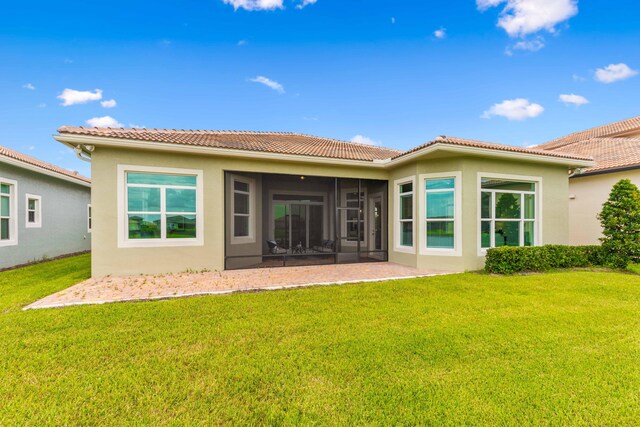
point(509, 260)
point(620, 219)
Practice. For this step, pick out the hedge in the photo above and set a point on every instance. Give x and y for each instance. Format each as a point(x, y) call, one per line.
point(509, 260)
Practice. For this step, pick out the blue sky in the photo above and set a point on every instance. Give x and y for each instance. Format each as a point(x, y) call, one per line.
point(376, 69)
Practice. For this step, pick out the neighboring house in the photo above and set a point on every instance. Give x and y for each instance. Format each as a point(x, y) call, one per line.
point(172, 200)
point(45, 210)
point(616, 150)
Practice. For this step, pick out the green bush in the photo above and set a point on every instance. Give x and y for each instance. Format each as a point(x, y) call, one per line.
point(620, 219)
point(509, 260)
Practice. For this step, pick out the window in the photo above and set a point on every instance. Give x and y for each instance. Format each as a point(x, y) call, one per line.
point(242, 207)
point(405, 214)
point(507, 213)
point(355, 216)
point(89, 219)
point(33, 211)
point(440, 213)
point(8, 212)
point(160, 207)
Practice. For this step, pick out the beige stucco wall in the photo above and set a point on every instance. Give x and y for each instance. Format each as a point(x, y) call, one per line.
point(108, 259)
point(587, 194)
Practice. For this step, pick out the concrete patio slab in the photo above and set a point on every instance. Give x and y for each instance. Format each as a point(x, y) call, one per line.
point(137, 288)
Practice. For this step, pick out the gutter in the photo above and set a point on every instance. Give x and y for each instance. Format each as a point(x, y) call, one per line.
point(85, 145)
point(605, 171)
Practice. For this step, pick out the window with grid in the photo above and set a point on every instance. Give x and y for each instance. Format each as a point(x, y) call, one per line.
point(405, 204)
point(242, 208)
point(7, 220)
point(508, 213)
point(161, 206)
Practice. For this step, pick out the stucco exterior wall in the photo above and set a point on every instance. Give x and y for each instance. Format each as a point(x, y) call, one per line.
point(64, 227)
point(108, 259)
point(587, 194)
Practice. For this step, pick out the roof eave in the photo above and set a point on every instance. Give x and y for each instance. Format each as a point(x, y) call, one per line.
point(34, 168)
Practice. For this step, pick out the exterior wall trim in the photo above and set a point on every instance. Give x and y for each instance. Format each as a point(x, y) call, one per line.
point(47, 172)
point(38, 223)
point(13, 225)
point(396, 207)
point(539, 220)
point(422, 215)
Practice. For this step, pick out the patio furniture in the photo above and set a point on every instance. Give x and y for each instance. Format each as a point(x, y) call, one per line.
point(274, 248)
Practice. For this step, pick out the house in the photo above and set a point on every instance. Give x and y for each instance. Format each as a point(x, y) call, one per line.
point(615, 148)
point(45, 210)
point(172, 200)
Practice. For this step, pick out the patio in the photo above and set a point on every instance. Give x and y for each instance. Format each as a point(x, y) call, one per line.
point(136, 288)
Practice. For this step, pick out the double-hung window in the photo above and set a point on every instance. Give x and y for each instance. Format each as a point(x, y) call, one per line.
point(242, 207)
point(8, 212)
point(405, 214)
point(440, 213)
point(508, 213)
point(162, 207)
point(33, 211)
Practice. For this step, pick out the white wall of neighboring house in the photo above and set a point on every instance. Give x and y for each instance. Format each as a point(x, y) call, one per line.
point(586, 196)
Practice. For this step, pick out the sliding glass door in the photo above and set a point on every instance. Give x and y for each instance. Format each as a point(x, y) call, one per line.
point(298, 226)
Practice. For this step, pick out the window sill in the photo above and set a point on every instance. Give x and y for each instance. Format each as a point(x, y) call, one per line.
point(242, 240)
point(160, 243)
point(405, 249)
point(441, 252)
point(27, 225)
point(13, 242)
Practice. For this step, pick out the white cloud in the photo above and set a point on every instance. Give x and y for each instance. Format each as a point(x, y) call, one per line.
point(533, 45)
point(29, 86)
point(576, 100)
point(514, 109)
point(242, 43)
point(522, 17)
point(31, 148)
point(269, 83)
point(393, 20)
point(361, 139)
point(42, 105)
point(135, 126)
point(578, 78)
point(72, 97)
point(104, 122)
point(255, 4)
point(614, 72)
point(440, 33)
point(108, 103)
point(305, 3)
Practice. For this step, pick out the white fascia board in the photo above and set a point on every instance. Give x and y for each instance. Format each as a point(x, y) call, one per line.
point(383, 164)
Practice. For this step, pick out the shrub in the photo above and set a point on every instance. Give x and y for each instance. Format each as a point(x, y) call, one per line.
point(509, 260)
point(620, 219)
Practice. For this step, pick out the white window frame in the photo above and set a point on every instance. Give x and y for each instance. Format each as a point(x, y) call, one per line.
point(13, 212)
point(37, 212)
point(457, 218)
point(537, 222)
point(123, 222)
point(398, 221)
point(251, 238)
point(89, 218)
point(344, 222)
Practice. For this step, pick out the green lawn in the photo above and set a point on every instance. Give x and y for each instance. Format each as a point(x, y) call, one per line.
point(561, 348)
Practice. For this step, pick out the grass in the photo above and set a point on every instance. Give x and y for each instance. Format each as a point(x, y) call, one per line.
point(559, 348)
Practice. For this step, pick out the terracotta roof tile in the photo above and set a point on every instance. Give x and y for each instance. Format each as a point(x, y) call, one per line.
point(452, 140)
point(609, 153)
point(608, 130)
point(288, 143)
point(271, 142)
point(15, 155)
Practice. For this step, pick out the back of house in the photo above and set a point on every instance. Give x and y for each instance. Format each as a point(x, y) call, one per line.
point(615, 148)
point(174, 200)
point(45, 210)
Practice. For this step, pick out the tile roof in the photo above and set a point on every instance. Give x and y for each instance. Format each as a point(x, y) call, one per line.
point(607, 130)
point(272, 142)
point(452, 140)
point(15, 155)
point(288, 143)
point(609, 153)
